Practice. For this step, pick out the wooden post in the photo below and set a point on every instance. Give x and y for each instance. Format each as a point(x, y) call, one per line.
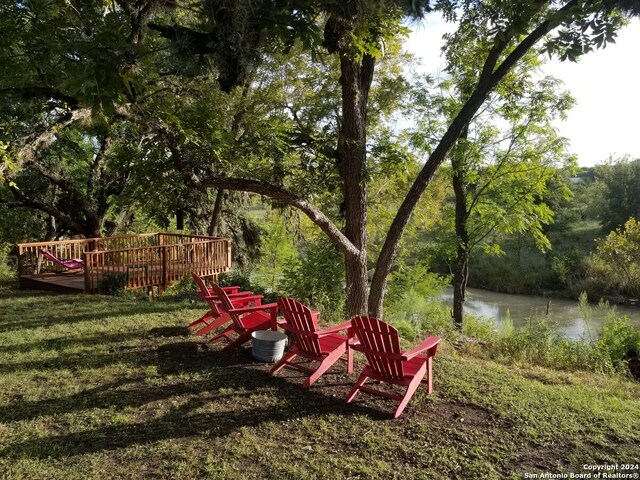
point(164, 265)
point(228, 243)
point(87, 275)
point(38, 261)
point(20, 261)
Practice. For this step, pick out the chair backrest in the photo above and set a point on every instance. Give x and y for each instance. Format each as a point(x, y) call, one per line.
point(204, 290)
point(205, 293)
point(50, 256)
point(300, 321)
point(226, 304)
point(70, 264)
point(380, 343)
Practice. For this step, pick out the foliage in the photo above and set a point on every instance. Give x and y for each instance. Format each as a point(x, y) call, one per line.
point(620, 340)
point(243, 280)
point(511, 155)
point(7, 269)
point(277, 253)
point(185, 287)
point(317, 278)
point(617, 259)
point(417, 278)
point(621, 181)
point(113, 283)
point(538, 343)
point(416, 316)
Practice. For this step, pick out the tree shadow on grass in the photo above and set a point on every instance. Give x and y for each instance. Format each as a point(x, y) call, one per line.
point(168, 332)
point(74, 341)
point(65, 342)
point(89, 315)
point(232, 380)
point(177, 358)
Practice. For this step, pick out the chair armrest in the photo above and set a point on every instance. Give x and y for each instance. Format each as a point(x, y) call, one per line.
point(234, 289)
point(238, 300)
point(426, 345)
point(257, 308)
point(248, 299)
point(230, 295)
point(239, 294)
point(343, 326)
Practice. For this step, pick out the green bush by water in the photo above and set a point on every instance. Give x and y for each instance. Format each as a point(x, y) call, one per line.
point(539, 343)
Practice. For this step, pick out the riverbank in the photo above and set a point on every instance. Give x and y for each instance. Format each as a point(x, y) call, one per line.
point(100, 387)
point(564, 271)
point(520, 310)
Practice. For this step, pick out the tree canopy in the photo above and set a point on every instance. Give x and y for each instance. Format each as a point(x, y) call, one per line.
point(218, 94)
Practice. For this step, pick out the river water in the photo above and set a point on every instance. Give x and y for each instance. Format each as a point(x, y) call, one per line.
point(525, 308)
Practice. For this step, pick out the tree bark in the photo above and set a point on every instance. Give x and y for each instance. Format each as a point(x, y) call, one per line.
point(461, 265)
point(214, 225)
point(355, 81)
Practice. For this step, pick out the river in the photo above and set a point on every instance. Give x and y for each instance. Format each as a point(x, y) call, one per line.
point(522, 308)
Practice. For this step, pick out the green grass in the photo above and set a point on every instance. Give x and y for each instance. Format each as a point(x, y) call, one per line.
point(116, 388)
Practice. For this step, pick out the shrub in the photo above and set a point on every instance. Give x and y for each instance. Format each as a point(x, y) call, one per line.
point(113, 283)
point(618, 341)
point(7, 269)
point(277, 251)
point(183, 287)
point(417, 316)
point(616, 262)
point(242, 279)
point(539, 344)
point(317, 279)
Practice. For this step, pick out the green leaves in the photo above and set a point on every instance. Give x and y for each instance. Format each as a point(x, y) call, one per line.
point(617, 259)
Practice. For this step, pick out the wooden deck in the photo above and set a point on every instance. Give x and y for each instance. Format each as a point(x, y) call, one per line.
point(144, 261)
point(54, 282)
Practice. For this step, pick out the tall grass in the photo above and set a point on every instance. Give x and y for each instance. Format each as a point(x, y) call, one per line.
point(539, 343)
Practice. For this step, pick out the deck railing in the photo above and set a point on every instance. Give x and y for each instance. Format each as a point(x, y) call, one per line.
point(144, 260)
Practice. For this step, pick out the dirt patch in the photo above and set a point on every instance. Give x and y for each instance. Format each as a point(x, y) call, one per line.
point(169, 332)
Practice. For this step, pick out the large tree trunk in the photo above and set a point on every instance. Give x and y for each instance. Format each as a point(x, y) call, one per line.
point(214, 225)
point(355, 81)
point(461, 265)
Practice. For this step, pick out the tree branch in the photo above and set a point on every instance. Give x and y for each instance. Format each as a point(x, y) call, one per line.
point(276, 193)
point(487, 81)
point(63, 218)
point(26, 147)
point(32, 92)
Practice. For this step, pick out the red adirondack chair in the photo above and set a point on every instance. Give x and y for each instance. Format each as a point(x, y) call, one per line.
point(387, 363)
point(245, 320)
point(216, 317)
point(322, 346)
point(73, 264)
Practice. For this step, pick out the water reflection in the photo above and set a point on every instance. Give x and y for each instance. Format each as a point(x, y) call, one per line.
point(525, 308)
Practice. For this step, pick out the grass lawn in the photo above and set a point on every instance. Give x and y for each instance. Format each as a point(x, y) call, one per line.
point(100, 387)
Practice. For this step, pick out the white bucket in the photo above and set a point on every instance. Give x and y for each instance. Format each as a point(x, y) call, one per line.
point(267, 345)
